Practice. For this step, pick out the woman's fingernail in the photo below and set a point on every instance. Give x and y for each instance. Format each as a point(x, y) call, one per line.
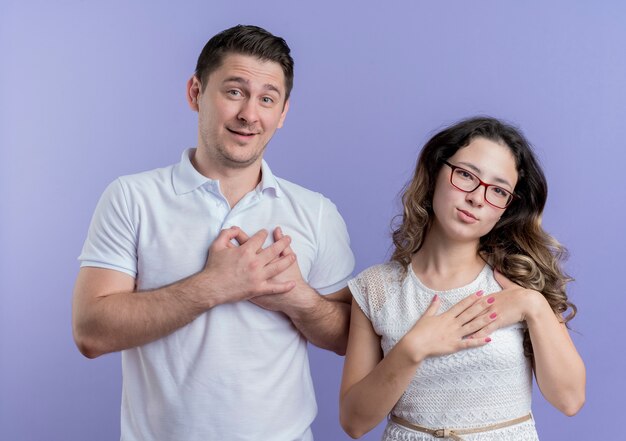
point(435, 297)
point(487, 340)
point(491, 299)
point(492, 316)
point(480, 293)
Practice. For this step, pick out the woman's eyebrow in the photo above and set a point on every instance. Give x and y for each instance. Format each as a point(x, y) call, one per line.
point(496, 180)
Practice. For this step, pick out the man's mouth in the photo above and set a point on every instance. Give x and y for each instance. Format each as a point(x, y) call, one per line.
point(242, 132)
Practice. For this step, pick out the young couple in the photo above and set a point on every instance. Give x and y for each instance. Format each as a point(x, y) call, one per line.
point(213, 323)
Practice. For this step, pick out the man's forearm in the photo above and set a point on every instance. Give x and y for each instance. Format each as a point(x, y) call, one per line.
point(126, 319)
point(325, 323)
point(108, 315)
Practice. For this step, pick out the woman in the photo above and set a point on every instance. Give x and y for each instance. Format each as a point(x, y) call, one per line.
point(441, 338)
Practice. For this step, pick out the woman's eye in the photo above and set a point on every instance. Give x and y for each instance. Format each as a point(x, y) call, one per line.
point(464, 174)
point(500, 192)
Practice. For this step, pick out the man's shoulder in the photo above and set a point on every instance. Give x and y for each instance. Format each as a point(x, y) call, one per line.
point(148, 179)
point(156, 174)
point(299, 193)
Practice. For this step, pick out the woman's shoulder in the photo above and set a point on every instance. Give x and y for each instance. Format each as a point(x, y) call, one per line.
point(387, 271)
point(373, 286)
point(377, 279)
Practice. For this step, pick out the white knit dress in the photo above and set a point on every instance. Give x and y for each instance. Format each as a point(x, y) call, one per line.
point(471, 388)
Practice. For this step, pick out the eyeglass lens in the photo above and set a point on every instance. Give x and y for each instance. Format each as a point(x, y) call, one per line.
point(466, 181)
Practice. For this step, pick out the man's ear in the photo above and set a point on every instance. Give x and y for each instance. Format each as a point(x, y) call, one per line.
point(193, 91)
point(284, 114)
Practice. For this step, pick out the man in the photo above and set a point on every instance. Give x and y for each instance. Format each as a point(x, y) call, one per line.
point(214, 348)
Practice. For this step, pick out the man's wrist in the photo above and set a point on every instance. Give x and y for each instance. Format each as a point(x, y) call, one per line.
point(307, 303)
point(196, 291)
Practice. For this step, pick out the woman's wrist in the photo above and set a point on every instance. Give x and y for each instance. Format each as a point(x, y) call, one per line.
point(536, 305)
point(411, 349)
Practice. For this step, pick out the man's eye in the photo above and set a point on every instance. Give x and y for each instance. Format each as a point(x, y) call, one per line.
point(267, 100)
point(234, 92)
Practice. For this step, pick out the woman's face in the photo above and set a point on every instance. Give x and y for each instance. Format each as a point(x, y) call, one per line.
point(467, 216)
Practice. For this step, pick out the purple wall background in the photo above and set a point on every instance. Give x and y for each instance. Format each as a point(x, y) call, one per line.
point(90, 91)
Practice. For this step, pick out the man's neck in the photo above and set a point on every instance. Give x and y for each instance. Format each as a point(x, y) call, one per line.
point(235, 183)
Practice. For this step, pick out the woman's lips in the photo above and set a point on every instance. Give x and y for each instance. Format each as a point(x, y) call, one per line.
point(466, 216)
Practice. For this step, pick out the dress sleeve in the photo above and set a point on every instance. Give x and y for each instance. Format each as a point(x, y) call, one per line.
point(373, 287)
point(359, 289)
point(112, 238)
point(369, 290)
point(334, 261)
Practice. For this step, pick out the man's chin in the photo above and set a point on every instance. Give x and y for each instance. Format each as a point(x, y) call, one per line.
point(239, 162)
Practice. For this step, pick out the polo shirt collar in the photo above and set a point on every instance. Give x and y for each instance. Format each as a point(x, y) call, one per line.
point(268, 180)
point(185, 177)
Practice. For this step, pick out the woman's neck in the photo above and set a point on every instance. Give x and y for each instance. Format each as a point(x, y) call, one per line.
point(443, 264)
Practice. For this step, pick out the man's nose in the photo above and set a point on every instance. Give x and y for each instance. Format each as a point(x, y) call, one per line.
point(248, 112)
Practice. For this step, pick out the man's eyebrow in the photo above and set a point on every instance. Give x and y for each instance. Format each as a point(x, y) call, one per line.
point(496, 180)
point(243, 81)
point(270, 86)
point(236, 80)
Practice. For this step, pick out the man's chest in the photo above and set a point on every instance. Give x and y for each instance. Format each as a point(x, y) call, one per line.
point(173, 244)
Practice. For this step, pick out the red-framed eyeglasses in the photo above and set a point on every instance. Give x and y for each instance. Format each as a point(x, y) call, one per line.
point(468, 182)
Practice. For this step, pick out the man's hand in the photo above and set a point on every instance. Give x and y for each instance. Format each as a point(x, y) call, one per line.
point(296, 301)
point(322, 321)
point(109, 315)
point(234, 273)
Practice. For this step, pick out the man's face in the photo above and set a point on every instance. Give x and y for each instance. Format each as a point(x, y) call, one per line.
point(240, 108)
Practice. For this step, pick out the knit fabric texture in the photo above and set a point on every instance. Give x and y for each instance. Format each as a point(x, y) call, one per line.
point(468, 389)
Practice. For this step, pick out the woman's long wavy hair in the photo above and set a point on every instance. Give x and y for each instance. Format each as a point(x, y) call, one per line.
point(517, 246)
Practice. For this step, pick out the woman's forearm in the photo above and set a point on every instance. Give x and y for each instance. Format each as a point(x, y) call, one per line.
point(559, 369)
point(369, 401)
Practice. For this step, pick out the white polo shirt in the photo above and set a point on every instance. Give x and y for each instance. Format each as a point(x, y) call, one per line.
point(237, 372)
